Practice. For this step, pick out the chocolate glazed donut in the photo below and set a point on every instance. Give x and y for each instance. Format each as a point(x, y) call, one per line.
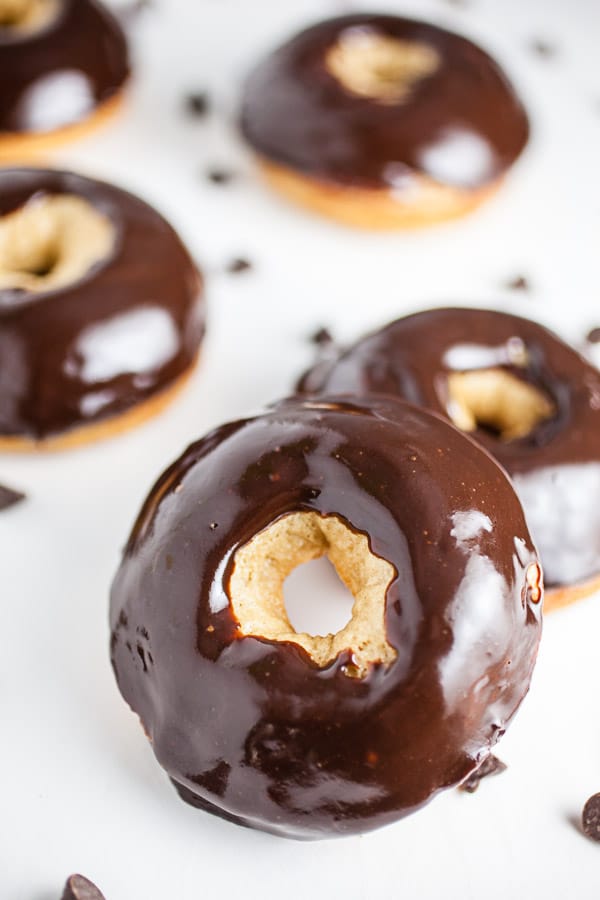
point(396, 110)
point(305, 736)
point(532, 401)
point(101, 306)
point(60, 61)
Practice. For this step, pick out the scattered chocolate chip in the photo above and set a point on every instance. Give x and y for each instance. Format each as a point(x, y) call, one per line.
point(197, 104)
point(590, 818)
point(80, 888)
point(593, 336)
point(8, 497)
point(490, 766)
point(239, 265)
point(518, 283)
point(220, 176)
point(321, 337)
point(543, 48)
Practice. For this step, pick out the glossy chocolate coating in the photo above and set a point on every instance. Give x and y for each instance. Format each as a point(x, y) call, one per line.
point(251, 729)
point(122, 333)
point(556, 468)
point(463, 125)
point(58, 75)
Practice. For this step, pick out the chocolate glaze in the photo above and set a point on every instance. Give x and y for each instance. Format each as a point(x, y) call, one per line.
point(58, 75)
point(556, 469)
point(122, 333)
point(252, 729)
point(463, 125)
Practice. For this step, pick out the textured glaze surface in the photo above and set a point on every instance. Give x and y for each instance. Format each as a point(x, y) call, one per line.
point(462, 126)
point(251, 729)
point(58, 75)
point(556, 468)
point(123, 332)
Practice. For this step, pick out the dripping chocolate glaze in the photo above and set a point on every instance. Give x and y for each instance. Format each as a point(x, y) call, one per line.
point(71, 65)
point(54, 346)
point(252, 729)
point(463, 125)
point(556, 469)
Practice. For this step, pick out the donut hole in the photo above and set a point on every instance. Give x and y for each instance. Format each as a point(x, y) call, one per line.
point(52, 241)
point(302, 593)
point(261, 567)
point(27, 15)
point(379, 67)
point(497, 401)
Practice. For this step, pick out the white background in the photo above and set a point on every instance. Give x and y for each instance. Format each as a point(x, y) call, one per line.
point(79, 787)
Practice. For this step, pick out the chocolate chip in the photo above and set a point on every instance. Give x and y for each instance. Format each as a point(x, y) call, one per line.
point(590, 818)
point(518, 283)
point(80, 888)
point(220, 176)
point(490, 766)
point(8, 497)
point(239, 265)
point(197, 104)
point(543, 48)
point(321, 337)
point(593, 336)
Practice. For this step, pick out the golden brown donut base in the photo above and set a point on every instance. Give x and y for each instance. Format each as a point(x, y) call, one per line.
point(557, 598)
point(379, 210)
point(99, 431)
point(18, 147)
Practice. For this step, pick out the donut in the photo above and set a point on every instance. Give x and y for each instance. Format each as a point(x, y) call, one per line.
point(383, 122)
point(101, 310)
point(63, 65)
point(314, 736)
point(531, 400)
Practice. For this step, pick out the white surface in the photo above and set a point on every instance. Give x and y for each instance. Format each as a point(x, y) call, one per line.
point(79, 787)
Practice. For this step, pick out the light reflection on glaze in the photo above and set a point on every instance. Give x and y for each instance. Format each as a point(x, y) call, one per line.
point(54, 100)
point(481, 619)
point(459, 157)
point(138, 341)
point(93, 403)
point(251, 729)
point(468, 524)
point(562, 504)
point(481, 624)
point(466, 357)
